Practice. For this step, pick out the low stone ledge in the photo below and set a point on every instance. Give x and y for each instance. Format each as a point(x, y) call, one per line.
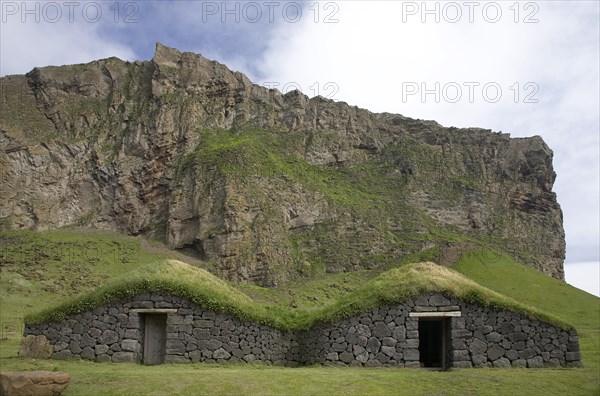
point(445, 314)
point(153, 310)
point(39, 383)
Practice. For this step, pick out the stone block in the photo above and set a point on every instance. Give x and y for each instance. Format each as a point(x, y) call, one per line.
point(339, 347)
point(519, 363)
point(389, 351)
point(87, 341)
point(88, 353)
point(94, 332)
point(108, 337)
point(460, 355)
point(511, 354)
point(381, 330)
point(527, 353)
point(195, 356)
point(412, 324)
point(221, 354)
point(438, 300)
point(495, 352)
point(506, 327)
point(412, 343)
point(211, 345)
point(363, 357)
point(501, 363)
point(351, 338)
point(130, 345)
point(36, 347)
point(346, 357)
point(123, 357)
point(399, 333)
point(519, 346)
point(424, 308)
point(460, 333)
point(357, 350)
point(75, 347)
point(249, 358)
point(535, 362)
point(373, 345)
point(178, 359)
point(477, 347)
point(459, 344)
point(411, 354)
point(479, 359)
point(40, 383)
point(78, 329)
point(494, 337)
point(572, 356)
point(363, 330)
point(203, 323)
point(104, 358)
point(462, 364)
point(486, 329)
point(333, 356)
point(101, 349)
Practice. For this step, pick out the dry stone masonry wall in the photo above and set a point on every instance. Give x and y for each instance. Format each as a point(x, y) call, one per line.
point(386, 335)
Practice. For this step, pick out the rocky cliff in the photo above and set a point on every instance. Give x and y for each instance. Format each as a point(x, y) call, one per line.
point(263, 187)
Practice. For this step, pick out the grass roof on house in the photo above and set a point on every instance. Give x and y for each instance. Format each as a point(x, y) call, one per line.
point(206, 290)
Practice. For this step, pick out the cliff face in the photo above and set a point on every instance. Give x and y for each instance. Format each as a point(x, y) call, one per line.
point(265, 187)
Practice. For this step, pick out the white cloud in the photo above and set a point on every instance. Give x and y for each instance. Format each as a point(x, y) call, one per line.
point(584, 276)
point(26, 43)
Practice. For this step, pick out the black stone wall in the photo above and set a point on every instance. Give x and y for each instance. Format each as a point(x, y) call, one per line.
point(386, 335)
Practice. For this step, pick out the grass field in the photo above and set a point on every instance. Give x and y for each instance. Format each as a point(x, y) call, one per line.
point(42, 275)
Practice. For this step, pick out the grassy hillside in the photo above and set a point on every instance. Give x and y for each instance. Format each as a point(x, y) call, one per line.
point(500, 273)
point(62, 275)
point(43, 269)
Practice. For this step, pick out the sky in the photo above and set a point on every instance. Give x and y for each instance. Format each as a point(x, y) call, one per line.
point(521, 67)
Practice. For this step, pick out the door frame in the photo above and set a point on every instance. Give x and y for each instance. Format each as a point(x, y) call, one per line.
point(446, 318)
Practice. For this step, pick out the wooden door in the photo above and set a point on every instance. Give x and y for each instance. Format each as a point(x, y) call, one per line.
point(155, 338)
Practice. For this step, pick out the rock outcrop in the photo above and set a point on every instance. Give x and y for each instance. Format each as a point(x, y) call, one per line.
point(36, 347)
point(39, 383)
point(263, 186)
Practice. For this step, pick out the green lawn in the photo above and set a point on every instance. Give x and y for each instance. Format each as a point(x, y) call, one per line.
point(21, 293)
point(117, 379)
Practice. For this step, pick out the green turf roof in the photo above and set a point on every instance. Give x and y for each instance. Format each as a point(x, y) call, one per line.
point(206, 290)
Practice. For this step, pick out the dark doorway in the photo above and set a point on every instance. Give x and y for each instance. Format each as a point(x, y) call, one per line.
point(155, 338)
point(432, 345)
